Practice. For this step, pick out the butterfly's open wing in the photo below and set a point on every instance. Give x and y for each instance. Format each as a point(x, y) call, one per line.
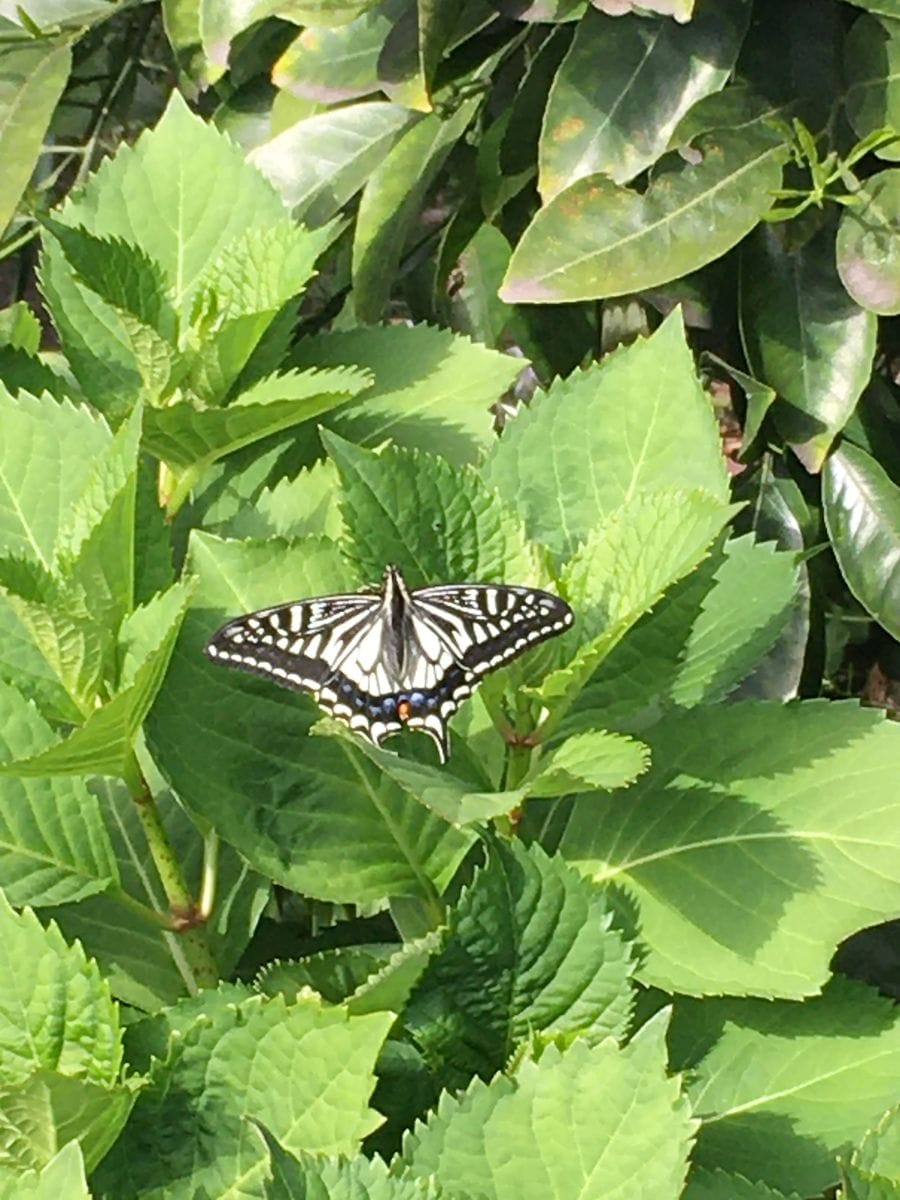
point(460, 632)
point(298, 645)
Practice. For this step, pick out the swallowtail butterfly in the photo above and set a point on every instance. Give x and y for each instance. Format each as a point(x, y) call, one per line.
point(383, 659)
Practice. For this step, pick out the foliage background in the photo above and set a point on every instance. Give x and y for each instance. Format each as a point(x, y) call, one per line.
point(600, 297)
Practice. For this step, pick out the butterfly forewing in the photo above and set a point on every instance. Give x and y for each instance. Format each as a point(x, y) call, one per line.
point(379, 661)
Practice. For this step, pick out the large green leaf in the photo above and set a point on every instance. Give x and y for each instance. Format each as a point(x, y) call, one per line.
point(53, 844)
point(804, 336)
point(33, 74)
point(340, 1179)
point(862, 513)
point(503, 1140)
point(868, 249)
point(617, 120)
point(595, 239)
point(436, 523)
point(293, 829)
point(433, 389)
point(717, 1184)
point(873, 1170)
point(565, 465)
point(777, 843)
point(528, 950)
point(61, 1179)
point(802, 1114)
point(340, 63)
point(319, 163)
point(872, 64)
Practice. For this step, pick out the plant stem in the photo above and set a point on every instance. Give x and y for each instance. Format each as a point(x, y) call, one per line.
point(184, 911)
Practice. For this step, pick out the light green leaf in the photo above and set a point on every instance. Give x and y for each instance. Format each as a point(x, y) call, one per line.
point(53, 642)
point(702, 639)
point(803, 1114)
point(56, 1011)
point(873, 1172)
point(595, 239)
point(321, 162)
point(104, 743)
point(390, 205)
point(335, 974)
point(618, 121)
point(777, 843)
point(39, 478)
point(566, 466)
point(872, 65)
point(61, 1179)
point(306, 506)
point(887, 8)
point(19, 328)
point(33, 75)
point(53, 844)
point(191, 438)
point(436, 523)
point(868, 258)
point(623, 569)
point(501, 1140)
point(433, 389)
point(585, 761)
point(238, 296)
point(251, 729)
point(529, 950)
point(805, 337)
point(339, 1179)
point(862, 513)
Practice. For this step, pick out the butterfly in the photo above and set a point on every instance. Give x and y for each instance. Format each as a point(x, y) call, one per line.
point(379, 660)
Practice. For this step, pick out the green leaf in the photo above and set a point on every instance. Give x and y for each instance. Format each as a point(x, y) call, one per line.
point(724, 1185)
point(40, 479)
point(19, 328)
point(805, 337)
point(862, 513)
point(56, 1012)
point(435, 522)
point(872, 64)
point(305, 1071)
point(95, 545)
point(502, 1140)
point(474, 306)
point(53, 844)
point(321, 162)
point(251, 729)
point(433, 389)
point(868, 259)
point(873, 1172)
point(359, 1179)
point(306, 506)
point(565, 466)
point(703, 638)
point(803, 1115)
point(53, 643)
point(191, 439)
point(887, 8)
point(595, 239)
point(45, 1111)
point(104, 743)
point(776, 844)
point(61, 1179)
point(618, 121)
point(589, 760)
point(529, 950)
point(390, 205)
point(335, 974)
point(339, 63)
point(623, 569)
point(33, 75)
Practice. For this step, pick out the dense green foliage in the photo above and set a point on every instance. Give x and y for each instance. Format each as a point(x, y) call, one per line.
point(274, 273)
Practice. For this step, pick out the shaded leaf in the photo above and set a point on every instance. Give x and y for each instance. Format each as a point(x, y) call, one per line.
point(872, 64)
point(868, 259)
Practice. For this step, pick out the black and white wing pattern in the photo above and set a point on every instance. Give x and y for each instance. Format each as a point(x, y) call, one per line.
point(384, 660)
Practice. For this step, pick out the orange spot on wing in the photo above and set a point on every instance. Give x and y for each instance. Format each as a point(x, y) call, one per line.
point(403, 710)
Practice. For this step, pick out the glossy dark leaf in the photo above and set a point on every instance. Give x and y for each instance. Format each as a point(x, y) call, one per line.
point(804, 336)
point(868, 245)
point(862, 512)
point(872, 60)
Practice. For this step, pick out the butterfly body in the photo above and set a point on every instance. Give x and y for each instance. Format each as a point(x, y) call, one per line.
point(382, 660)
